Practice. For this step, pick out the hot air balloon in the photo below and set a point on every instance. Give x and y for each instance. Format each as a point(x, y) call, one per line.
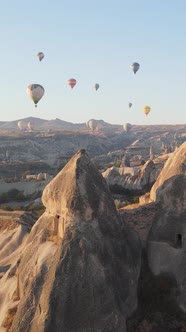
point(127, 127)
point(40, 56)
point(135, 67)
point(71, 82)
point(146, 110)
point(30, 126)
point(35, 92)
point(92, 124)
point(22, 125)
point(130, 105)
point(96, 86)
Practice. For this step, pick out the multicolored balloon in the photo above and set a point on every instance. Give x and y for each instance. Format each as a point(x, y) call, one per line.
point(135, 67)
point(72, 82)
point(35, 92)
point(146, 110)
point(96, 86)
point(40, 56)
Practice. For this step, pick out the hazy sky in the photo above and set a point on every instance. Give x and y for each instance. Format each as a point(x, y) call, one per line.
point(94, 41)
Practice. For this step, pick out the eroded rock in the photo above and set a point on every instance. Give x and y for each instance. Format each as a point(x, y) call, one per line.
point(167, 238)
point(87, 279)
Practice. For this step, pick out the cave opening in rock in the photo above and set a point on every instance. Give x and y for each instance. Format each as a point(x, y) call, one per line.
point(179, 240)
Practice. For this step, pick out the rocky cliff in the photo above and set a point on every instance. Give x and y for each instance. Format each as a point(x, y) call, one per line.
point(176, 164)
point(167, 238)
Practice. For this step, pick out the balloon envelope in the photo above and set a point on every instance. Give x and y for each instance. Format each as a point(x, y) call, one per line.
point(35, 92)
point(30, 126)
point(127, 127)
point(96, 86)
point(135, 67)
point(40, 56)
point(71, 82)
point(21, 125)
point(130, 105)
point(92, 124)
point(146, 110)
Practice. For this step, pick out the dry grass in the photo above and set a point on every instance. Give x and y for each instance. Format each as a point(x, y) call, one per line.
point(8, 219)
point(7, 223)
point(7, 323)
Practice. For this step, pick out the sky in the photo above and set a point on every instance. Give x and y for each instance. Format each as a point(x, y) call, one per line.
point(94, 42)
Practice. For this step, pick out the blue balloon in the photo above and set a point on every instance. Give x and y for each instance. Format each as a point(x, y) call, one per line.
point(135, 67)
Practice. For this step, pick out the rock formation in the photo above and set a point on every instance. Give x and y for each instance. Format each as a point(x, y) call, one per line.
point(133, 178)
point(167, 238)
point(151, 154)
point(79, 269)
point(176, 164)
point(14, 230)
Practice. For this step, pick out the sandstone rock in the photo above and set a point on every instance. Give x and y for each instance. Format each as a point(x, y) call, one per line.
point(133, 178)
point(176, 164)
point(14, 230)
point(79, 270)
point(166, 242)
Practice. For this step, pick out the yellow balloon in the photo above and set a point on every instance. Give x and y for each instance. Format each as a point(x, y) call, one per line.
point(146, 110)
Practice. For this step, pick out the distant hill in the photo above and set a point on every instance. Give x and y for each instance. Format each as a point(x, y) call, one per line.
point(42, 124)
point(58, 124)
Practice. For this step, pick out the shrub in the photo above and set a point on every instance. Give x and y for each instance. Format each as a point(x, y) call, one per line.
point(12, 195)
point(10, 180)
point(117, 163)
point(20, 197)
point(134, 199)
point(38, 209)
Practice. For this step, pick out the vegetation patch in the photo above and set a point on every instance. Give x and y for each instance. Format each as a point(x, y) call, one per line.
point(38, 209)
point(128, 197)
point(12, 195)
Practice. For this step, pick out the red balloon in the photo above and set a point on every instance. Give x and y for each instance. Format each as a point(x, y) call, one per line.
point(71, 82)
